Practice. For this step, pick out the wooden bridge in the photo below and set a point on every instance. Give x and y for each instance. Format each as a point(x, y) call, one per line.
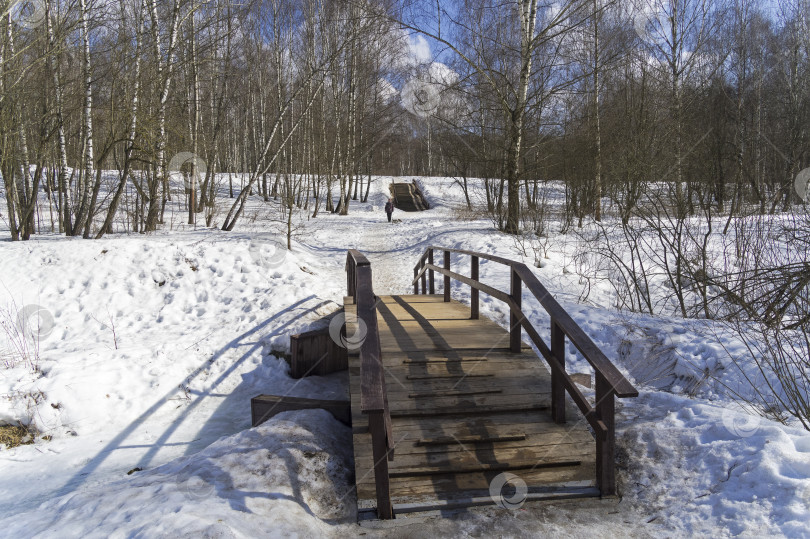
point(448, 407)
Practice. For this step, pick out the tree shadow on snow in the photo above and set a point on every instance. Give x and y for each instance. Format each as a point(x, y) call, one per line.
point(219, 483)
point(248, 344)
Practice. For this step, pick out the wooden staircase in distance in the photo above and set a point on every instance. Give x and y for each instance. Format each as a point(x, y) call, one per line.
point(408, 197)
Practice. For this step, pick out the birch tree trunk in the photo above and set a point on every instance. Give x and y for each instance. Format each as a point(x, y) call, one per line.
point(597, 183)
point(7, 156)
point(84, 211)
point(133, 126)
point(164, 69)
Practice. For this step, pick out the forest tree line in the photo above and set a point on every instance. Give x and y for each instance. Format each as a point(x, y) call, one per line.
point(302, 101)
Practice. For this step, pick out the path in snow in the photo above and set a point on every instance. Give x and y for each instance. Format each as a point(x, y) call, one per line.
point(388, 269)
point(392, 248)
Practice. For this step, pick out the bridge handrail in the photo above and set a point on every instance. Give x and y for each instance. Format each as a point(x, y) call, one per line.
point(622, 387)
point(610, 382)
point(373, 393)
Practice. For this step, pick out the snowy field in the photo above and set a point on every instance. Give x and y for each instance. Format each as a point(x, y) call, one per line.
point(152, 346)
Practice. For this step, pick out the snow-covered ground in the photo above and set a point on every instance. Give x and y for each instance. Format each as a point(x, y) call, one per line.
point(152, 346)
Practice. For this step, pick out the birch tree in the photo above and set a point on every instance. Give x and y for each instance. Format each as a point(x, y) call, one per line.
point(500, 43)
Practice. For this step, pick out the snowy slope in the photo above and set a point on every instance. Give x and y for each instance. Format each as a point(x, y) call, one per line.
point(158, 342)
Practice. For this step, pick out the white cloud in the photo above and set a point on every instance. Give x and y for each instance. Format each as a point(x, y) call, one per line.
point(440, 73)
point(412, 51)
point(419, 49)
point(429, 92)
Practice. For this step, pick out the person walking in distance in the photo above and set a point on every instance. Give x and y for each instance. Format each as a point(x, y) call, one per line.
point(389, 208)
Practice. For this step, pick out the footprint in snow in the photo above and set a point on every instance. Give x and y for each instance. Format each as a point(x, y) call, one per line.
point(158, 277)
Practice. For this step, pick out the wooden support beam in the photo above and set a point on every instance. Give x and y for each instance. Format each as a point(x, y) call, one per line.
point(379, 447)
point(431, 273)
point(447, 277)
point(516, 294)
point(474, 299)
point(606, 447)
point(314, 353)
point(350, 279)
point(264, 407)
point(557, 378)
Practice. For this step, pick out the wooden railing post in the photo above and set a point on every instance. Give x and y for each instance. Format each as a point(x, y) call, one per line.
point(514, 320)
point(350, 280)
point(415, 282)
point(557, 379)
point(379, 449)
point(373, 393)
point(474, 301)
point(431, 276)
point(424, 279)
point(605, 447)
point(447, 277)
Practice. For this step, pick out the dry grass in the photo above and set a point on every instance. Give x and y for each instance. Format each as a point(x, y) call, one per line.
point(462, 213)
point(16, 435)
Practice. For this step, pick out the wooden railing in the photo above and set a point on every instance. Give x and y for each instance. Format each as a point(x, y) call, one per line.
point(373, 395)
point(610, 382)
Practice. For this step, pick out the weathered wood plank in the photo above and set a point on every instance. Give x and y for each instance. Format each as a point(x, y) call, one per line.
point(446, 335)
point(413, 298)
point(491, 422)
point(373, 398)
point(446, 376)
point(464, 409)
point(431, 393)
point(469, 440)
point(448, 486)
point(433, 507)
point(393, 360)
point(314, 353)
point(478, 403)
point(516, 454)
point(431, 372)
point(399, 382)
point(264, 407)
point(407, 440)
point(518, 384)
point(428, 310)
point(467, 465)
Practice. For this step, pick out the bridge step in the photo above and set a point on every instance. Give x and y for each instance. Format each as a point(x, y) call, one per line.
point(445, 376)
point(464, 409)
point(453, 393)
point(453, 440)
point(467, 436)
point(472, 465)
point(415, 508)
point(420, 493)
point(499, 456)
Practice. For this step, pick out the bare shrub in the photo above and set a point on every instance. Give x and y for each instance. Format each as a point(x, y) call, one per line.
point(755, 278)
point(781, 358)
point(23, 329)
